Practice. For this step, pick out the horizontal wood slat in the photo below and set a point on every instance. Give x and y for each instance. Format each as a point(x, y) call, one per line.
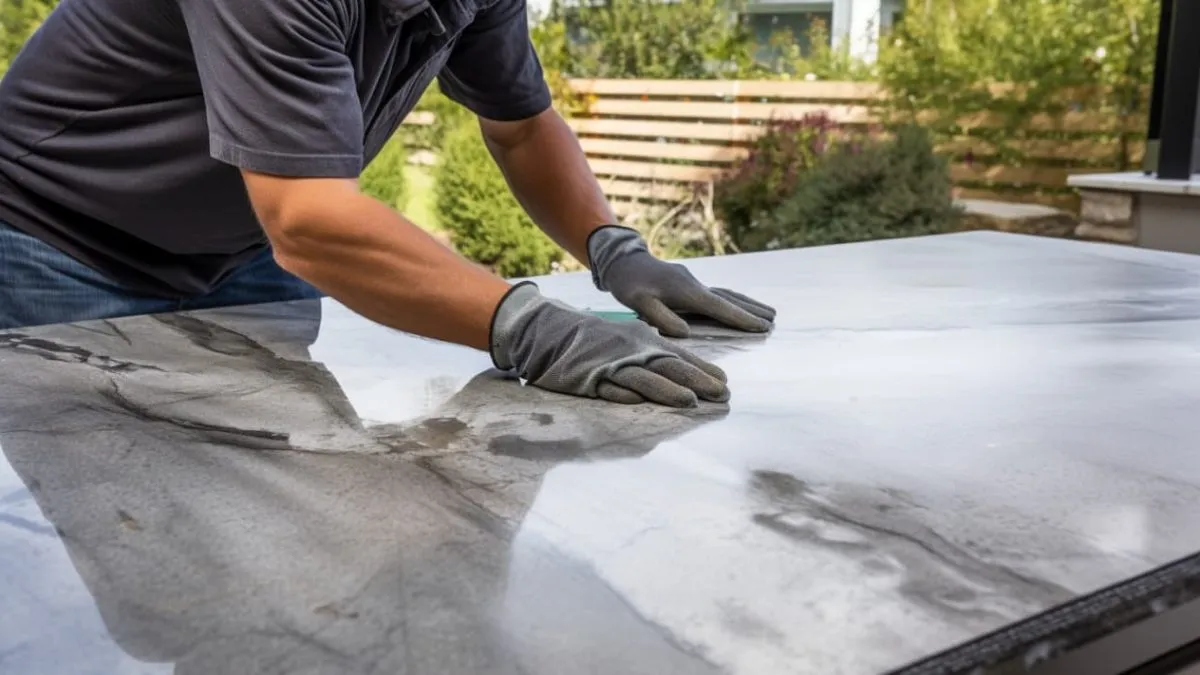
point(762, 112)
point(1094, 122)
point(682, 173)
point(822, 90)
point(1020, 175)
point(702, 131)
point(1045, 176)
point(623, 208)
point(694, 152)
point(420, 117)
point(959, 172)
point(828, 91)
point(630, 189)
point(1079, 150)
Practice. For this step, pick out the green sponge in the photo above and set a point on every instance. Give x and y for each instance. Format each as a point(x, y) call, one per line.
point(614, 315)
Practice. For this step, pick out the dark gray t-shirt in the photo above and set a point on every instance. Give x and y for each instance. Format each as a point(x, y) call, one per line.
point(123, 122)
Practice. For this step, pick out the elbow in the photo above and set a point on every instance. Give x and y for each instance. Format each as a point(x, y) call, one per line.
point(288, 235)
point(295, 216)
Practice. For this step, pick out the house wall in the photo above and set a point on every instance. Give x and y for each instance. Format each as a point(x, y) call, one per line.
point(856, 22)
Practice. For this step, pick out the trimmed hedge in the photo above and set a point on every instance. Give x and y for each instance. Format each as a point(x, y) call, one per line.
point(476, 208)
point(383, 178)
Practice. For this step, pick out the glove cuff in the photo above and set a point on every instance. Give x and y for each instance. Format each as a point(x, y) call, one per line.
point(608, 244)
point(515, 310)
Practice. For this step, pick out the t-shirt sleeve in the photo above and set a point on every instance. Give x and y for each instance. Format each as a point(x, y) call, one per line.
point(494, 70)
point(279, 91)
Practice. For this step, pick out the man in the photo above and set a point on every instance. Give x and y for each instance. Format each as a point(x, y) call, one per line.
point(183, 154)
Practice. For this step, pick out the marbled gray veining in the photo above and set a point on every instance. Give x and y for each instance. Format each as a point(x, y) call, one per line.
point(943, 436)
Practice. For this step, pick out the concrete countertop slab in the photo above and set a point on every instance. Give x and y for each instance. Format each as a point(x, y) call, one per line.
point(953, 453)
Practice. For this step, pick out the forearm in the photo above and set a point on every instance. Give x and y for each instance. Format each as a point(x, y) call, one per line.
point(377, 263)
point(549, 175)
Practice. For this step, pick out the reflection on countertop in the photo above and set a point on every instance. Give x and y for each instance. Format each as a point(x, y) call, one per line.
point(943, 436)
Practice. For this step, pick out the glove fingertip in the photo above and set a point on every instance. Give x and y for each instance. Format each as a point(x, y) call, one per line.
point(672, 329)
point(661, 317)
point(618, 394)
point(715, 371)
point(722, 397)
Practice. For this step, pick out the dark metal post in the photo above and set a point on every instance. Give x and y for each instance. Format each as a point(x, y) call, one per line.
point(1153, 130)
point(1177, 156)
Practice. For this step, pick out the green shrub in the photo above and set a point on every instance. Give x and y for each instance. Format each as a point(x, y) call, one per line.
point(484, 221)
point(868, 188)
point(383, 178)
point(778, 157)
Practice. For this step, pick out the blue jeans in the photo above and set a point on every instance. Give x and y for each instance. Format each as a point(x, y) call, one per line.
point(41, 285)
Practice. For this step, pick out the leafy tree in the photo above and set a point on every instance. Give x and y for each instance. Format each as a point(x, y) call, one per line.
point(959, 57)
point(822, 61)
point(652, 39)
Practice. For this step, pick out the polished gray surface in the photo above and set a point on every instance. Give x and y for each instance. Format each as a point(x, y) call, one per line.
point(942, 437)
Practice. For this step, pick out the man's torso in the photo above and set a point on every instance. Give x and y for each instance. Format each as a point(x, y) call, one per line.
point(104, 145)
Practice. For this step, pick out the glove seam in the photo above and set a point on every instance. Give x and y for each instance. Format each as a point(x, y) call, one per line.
point(492, 323)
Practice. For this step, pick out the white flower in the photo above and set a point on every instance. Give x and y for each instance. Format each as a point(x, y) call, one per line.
point(1101, 52)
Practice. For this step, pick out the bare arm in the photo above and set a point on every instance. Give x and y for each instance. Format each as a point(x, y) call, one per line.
point(373, 260)
point(549, 175)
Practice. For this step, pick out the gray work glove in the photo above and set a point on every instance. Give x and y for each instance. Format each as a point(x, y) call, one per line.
point(660, 292)
point(565, 350)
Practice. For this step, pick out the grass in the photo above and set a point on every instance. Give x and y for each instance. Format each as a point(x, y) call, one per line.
point(419, 209)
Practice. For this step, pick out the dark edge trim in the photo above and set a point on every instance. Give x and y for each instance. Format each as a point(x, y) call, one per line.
point(492, 323)
point(1181, 88)
point(1161, 56)
point(587, 247)
point(1070, 625)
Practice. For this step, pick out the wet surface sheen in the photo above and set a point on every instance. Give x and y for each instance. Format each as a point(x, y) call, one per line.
point(942, 437)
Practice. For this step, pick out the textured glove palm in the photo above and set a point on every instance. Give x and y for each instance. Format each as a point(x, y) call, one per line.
point(660, 291)
point(561, 349)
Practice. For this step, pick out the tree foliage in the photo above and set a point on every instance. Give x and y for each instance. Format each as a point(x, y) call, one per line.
point(650, 38)
point(821, 61)
point(1015, 59)
point(698, 39)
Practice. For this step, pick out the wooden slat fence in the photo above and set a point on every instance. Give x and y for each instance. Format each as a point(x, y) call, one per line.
point(651, 139)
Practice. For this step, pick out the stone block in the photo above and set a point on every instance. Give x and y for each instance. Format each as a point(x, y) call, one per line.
point(1103, 207)
point(983, 214)
point(1113, 234)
